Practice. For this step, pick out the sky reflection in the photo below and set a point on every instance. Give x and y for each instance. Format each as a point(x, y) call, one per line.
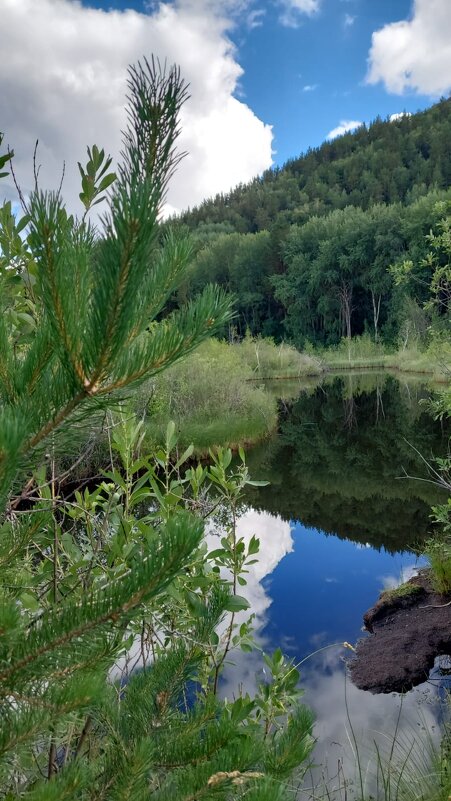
point(309, 590)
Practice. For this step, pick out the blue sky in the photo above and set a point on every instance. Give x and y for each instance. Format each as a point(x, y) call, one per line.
point(305, 77)
point(305, 80)
point(268, 78)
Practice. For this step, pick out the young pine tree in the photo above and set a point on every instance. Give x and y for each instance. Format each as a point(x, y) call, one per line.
point(81, 325)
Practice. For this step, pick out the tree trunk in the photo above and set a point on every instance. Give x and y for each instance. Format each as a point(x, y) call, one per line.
point(376, 312)
point(346, 307)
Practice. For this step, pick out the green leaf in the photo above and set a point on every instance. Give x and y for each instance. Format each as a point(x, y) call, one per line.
point(107, 181)
point(254, 546)
point(185, 455)
point(236, 603)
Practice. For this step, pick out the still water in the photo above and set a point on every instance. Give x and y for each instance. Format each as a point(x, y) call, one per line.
point(345, 512)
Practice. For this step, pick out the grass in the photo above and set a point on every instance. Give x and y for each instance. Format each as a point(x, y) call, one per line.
point(231, 432)
point(363, 353)
point(438, 553)
point(211, 399)
point(405, 590)
point(266, 360)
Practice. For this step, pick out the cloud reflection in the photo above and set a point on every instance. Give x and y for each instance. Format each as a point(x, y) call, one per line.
point(344, 714)
point(276, 541)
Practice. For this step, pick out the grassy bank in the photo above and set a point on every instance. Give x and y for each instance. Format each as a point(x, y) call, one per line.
point(217, 397)
point(266, 360)
point(223, 395)
point(363, 353)
point(211, 399)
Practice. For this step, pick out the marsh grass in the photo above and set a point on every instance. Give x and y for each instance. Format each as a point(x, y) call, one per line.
point(211, 400)
point(363, 353)
point(266, 360)
point(438, 553)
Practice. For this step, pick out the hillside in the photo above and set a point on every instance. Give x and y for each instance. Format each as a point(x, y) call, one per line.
point(307, 249)
point(387, 162)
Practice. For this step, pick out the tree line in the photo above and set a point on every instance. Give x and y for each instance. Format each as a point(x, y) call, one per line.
point(307, 250)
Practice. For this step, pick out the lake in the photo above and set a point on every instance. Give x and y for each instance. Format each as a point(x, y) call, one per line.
point(346, 510)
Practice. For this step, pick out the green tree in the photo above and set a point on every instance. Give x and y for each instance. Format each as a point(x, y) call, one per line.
point(433, 271)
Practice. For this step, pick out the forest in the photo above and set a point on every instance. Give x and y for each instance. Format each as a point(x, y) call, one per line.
point(307, 249)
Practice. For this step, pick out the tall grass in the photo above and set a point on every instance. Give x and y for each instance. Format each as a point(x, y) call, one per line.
point(438, 553)
point(211, 400)
point(408, 763)
point(267, 360)
point(363, 352)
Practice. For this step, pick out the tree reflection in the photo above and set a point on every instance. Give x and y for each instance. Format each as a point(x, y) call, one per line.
point(342, 456)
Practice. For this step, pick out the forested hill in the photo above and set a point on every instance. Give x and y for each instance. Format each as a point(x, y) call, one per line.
point(387, 162)
point(307, 249)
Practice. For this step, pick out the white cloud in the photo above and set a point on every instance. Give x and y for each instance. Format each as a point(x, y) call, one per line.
point(414, 54)
point(63, 70)
point(343, 127)
point(293, 10)
point(348, 20)
point(310, 87)
point(254, 18)
point(399, 115)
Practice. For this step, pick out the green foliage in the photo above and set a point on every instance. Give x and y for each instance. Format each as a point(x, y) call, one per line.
point(116, 620)
point(438, 548)
point(307, 248)
point(434, 270)
point(210, 399)
point(4, 158)
point(94, 179)
point(96, 296)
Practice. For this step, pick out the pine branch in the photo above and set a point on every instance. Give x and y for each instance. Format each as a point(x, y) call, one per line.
point(68, 625)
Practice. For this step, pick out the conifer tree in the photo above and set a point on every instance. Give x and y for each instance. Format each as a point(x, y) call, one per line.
point(81, 325)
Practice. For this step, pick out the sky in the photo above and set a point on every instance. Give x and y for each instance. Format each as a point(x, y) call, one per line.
point(268, 78)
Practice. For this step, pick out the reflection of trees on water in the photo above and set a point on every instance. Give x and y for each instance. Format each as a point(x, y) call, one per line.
point(340, 460)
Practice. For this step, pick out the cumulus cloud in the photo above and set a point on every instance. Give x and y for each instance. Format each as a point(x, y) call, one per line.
point(414, 54)
point(348, 20)
point(399, 115)
point(276, 541)
point(343, 127)
point(310, 87)
point(294, 10)
point(63, 72)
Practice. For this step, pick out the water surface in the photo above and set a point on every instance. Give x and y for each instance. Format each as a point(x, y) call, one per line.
point(346, 510)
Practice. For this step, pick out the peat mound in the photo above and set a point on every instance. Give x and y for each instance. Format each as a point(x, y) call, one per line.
point(407, 632)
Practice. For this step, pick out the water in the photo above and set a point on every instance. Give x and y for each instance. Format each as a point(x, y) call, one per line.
point(345, 513)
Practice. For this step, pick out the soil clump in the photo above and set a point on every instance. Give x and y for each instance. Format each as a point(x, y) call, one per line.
point(407, 632)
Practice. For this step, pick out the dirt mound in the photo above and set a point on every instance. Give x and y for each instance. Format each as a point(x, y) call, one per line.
point(408, 632)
